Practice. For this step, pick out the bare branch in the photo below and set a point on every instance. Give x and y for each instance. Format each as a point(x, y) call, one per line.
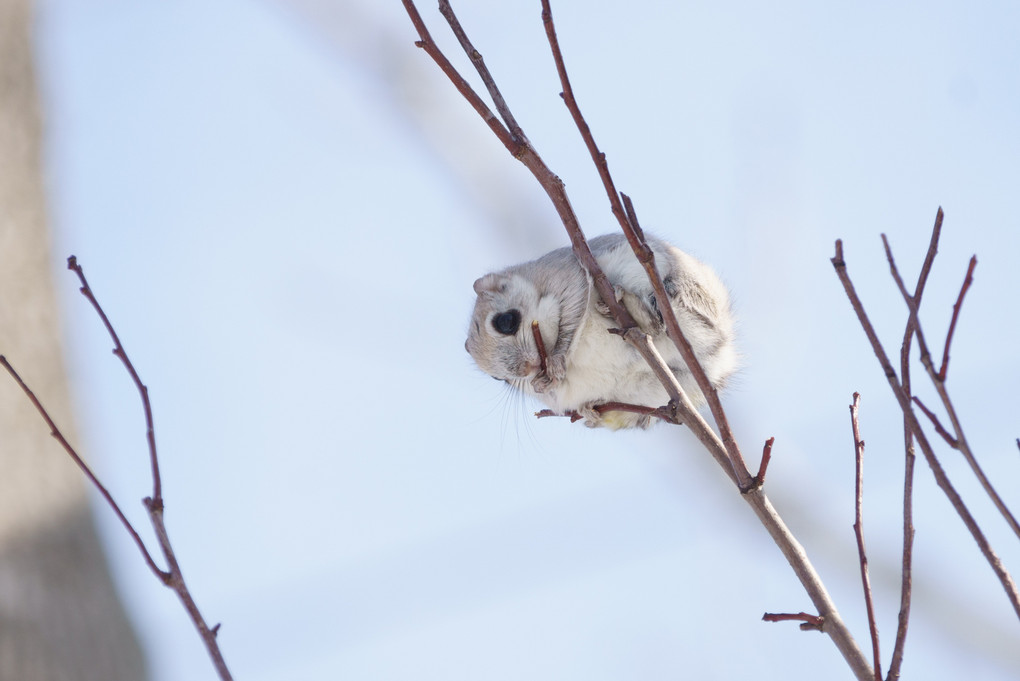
point(589, 140)
point(929, 256)
point(155, 508)
point(549, 413)
point(967, 281)
point(679, 401)
point(906, 575)
point(553, 186)
point(522, 150)
point(935, 422)
point(940, 386)
point(666, 413)
point(476, 58)
point(766, 457)
point(172, 578)
point(143, 391)
point(628, 223)
point(1008, 585)
point(105, 493)
point(665, 306)
point(859, 532)
point(430, 47)
point(808, 622)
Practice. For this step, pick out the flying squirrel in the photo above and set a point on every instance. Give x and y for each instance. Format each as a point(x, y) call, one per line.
point(586, 365)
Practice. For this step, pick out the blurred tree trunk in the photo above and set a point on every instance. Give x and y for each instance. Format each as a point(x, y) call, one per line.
point(60, 617)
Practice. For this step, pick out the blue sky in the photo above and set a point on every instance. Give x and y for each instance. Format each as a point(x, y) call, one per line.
point(283, 205)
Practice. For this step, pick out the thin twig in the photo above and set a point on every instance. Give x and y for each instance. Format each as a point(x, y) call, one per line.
point(143, 391)
point(543, 356)
point(628, 223)
point(172, 578)
point(155, 508)
point(950, 440)
point(967, 281)
point(548, 413)
point(664, 304)
point(766, 457)
point(476, 58)
point(154, 504)
point(664, 413)
point(105, 493)
point(906, 575)
point(514, 146)
point(859, 532)
point(940, 387)
point(1008, 585)
point(521, 149)
point(808, 622)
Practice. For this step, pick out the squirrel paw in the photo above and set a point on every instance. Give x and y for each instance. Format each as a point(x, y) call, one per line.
point(612, 419)
point(602, 308)
point(643, 309)
point(555, 371)
point(592, 417)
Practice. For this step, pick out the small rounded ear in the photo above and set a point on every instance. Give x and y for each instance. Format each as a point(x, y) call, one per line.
point(490, 283)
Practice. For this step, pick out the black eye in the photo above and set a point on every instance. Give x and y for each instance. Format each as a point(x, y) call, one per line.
point(507, 322)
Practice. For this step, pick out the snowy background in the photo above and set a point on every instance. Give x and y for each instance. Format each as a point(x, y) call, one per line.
point(282, 206)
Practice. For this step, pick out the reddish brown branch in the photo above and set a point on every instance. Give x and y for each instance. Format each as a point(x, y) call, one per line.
point(659, 412)
point(523, 151)
point(632, 218)
point(176, 582)
point(906, 575)
point(543, 356)
point(967, 281)
point(808, 622)
point(105, 493)
point(664, 304)
point(859, 532)
point(589, 140)
point(935, 422)
point(766, 457)
point(940, 387)
point(929, 256)
point(483, 71)
point(172, 578)
point(430, 47)
point(1008, 585)
point(628, 223)
point(143, 391)
point(665, 413)
point(724, 450)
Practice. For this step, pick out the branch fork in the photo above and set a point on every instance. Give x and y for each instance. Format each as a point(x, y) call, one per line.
point(172, 577)
point(913, 427)
point(722, 445)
